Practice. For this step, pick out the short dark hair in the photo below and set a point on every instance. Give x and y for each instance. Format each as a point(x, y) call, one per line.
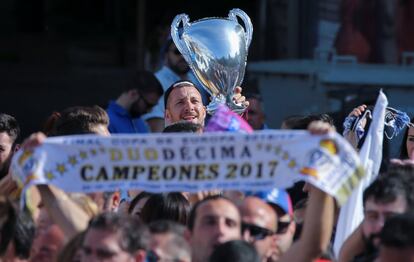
point(144, 82)
point(166, 226)
point(302, 122)
point(78, 120)
point(183, 127)
point(178, 84)
point(398, 231)
point(386, 188)
point(193, 212)
point(171, 206)
point(9, 125)
point(23, 234)
point(136, 199)
point(234, 250)
point(133, 235)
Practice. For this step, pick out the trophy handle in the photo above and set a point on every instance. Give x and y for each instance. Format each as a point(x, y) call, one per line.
point(175, 33)
point(233, 14)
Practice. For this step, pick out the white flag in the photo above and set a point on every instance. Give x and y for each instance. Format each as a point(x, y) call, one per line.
point(352, 213)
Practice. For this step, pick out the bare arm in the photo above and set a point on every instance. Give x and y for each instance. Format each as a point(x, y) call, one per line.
point(64, 212)
point(317, 229)
point(352, 246)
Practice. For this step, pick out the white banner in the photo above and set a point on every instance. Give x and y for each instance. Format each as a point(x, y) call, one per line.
point(192, 162)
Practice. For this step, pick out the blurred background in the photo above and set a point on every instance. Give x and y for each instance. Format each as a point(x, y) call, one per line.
point(306, 56)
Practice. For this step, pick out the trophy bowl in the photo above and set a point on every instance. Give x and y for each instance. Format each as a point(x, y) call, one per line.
point(216, 50)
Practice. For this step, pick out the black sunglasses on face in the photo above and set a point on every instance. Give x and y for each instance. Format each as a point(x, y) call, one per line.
point(258, 233)
point(282, 227)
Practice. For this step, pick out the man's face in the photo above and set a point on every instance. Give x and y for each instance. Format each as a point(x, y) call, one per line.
point(185, 104)
point(216, 222)
point(6, 153)
point(49, 244)
point(103, 245)
point(175, 61)
point(257, 213)
point(256, 115)
point(143, 104)
point(410, 142)
point(376, 214)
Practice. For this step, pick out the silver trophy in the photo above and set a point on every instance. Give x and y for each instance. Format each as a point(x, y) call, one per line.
point(216, 50)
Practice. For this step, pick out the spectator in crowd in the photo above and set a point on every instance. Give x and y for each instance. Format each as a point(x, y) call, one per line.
point(389, 195)
point(212, 221)
point(175, 69)
point(256, 115)
point(183, 102)
point(168, 242)
point(281, 203)
point(115, 237)
point(259, 224)
point(140, 93)
point(397, 239)
point(9, 136)
point(17, 231)
point(49, 245)
point(234, 250)
point(169, 206)
point(407, 144)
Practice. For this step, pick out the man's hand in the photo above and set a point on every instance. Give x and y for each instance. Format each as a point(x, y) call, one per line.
point(34, 140)
point(238, 98)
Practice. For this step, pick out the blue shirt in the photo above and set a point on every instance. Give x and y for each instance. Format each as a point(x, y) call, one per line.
point(120, 121)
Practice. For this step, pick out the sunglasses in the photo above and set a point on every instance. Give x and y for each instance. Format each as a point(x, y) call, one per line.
point(282, 227)
point(148, 104)
point(258, 233)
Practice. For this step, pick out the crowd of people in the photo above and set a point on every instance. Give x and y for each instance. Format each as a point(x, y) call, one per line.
point(135, 225)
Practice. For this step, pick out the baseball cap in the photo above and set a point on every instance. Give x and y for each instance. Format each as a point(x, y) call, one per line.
point(277, 197)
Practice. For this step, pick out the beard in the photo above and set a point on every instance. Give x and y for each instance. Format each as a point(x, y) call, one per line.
point(180, 68)
point(135, 110)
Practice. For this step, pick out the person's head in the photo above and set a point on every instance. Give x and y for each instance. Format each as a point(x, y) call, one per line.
point(71, 252)
point(49, 244)
point(137, 203)
point(302, 122)
point(385, 197)
point(140, 93)
point(23, 235)
point(281, 203)
point(115, 237)
point(397, 239)
point(183, 102)
point(174, 60)
point(80, 120)
point(407, 144)
point(256, 115)
point(167, 242)
point(9, 135)
point(213, 221)
point(183, 127)
point(169, 206)
point(259, 225)
point(234, 250)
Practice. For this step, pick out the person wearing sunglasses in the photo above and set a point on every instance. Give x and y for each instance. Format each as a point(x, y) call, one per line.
point(281, 203)
point(259, 225)
point(140, 93)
